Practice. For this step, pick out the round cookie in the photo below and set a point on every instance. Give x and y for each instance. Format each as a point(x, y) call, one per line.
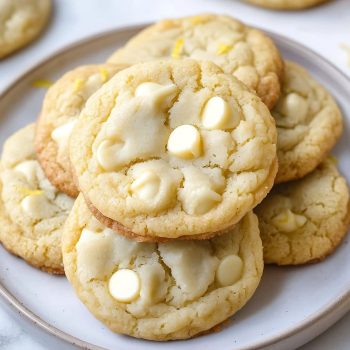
point(160, 291)
point(32, 211)
point(170, 149)
point(308, 122)
point(61, 107)
point(287, 4)
point(245, 52)
point(305, 220)
point(21, 21)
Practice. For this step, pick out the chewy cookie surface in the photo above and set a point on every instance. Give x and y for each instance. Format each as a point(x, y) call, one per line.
point(61, 107)
point(246, 53)
point(305, 220)
point(20, 22)
point(308, 121)
point(32, 211)
point(287, 4)
point(160, 291)
point(173, 149)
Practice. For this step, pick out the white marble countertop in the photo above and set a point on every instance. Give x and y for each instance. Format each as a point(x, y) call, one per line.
point(323, 29)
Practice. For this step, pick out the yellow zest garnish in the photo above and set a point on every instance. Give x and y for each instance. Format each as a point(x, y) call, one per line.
point(346, 48)
point(333, 159)
point(104, 74)
point(42, 83)
point(29, 192)
point(223, 48)
point(78, 84)
point(198, 20)
point(177, 50)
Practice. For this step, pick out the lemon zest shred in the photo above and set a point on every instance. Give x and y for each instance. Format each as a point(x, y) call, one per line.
point(177, 50)
point(223, 48)
point(104, 74)
point(29, 192)
point(78, 84)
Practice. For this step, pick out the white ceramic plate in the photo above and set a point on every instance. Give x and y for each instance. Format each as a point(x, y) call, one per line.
point(290, 307)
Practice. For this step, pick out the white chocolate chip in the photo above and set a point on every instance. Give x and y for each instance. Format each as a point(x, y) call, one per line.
point(201, 201)
point(200, 192)
point(229, 270)
point(92, 84)
point(287, 221)
point(100, 250)
point(192, 266)
point(185, 142)
point(37, 206)
point(146, 185)
point(156, 92)
point(28, 169)
point(294, 105)
point(86, 236)
point(61, 134)
point(154, 284)
point(107, 153)
point(64, 201)
point(124, 285)
point(218, 114)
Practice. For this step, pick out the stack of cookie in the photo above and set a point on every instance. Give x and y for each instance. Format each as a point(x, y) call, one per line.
point(168, 148)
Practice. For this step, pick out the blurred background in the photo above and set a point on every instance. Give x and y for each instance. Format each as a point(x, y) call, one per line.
point(323, 28)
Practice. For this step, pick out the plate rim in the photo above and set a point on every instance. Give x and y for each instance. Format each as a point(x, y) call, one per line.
point(342, 302)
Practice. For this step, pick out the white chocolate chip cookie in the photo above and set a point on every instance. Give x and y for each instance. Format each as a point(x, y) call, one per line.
point(308, 121)
point(156, 159)
point(239, 50)
point(21, 21)
point(61, 107)
point(304, 221)
point(160, 291)
point(32, 211)
point(287, 4)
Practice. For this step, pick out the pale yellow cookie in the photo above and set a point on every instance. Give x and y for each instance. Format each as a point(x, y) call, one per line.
point(32, 211)
point(21, 21)
point(61, 107)
point(161, 291)
point(174, 149)
point(245, 52)
point(309, 123)
point(287, 4)
point(305, 220)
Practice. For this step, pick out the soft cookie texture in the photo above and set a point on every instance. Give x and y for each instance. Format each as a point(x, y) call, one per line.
point(151, 153)
point(162, 291)
point(21, 21)
point(61, 107)
point(305, 220)
point(287, 4)
point(245, 52)
point(309, 123)
point(32, 211)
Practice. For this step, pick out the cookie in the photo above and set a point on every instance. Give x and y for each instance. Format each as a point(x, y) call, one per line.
point(308, 121)
point(32, 211)
point(244, 52)
point(61, 107)
point(287, 4)
point(304, 221)
point(174, 148)
point(21, 21)
point(160, 291)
